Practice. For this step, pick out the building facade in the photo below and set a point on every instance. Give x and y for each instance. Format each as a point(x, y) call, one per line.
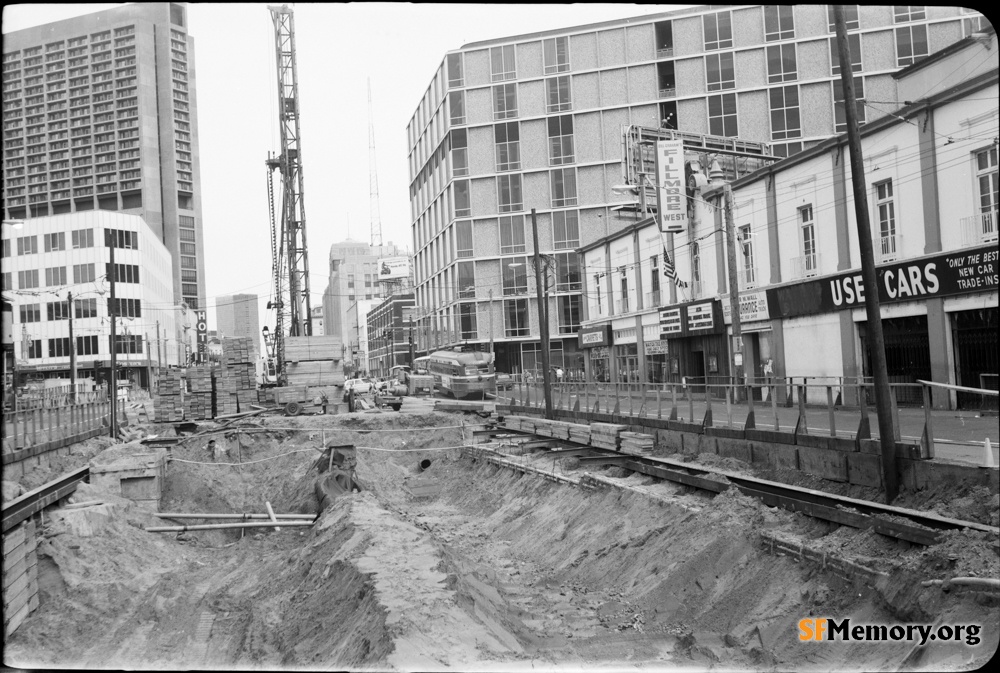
point(389, 334)
point(535, 122)
point(931, 187)
point(100, 113)
point(317, 321)
point(55, 260)
point(236, 316)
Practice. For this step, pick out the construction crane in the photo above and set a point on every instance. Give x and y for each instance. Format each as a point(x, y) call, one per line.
point(292, 298)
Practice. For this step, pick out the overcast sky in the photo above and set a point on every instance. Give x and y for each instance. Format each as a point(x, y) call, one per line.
point(340, 47)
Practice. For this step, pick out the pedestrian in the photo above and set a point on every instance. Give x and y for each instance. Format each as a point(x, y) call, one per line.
point(324, 400)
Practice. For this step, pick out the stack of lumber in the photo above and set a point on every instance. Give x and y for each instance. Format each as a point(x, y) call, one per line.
point(513, 422)
point(579, 434)
point(314, 361)
point(246, 398)
point(266, 397)
point(237, 350)
point(237, 375)
point(637, 443)
point(606, 435)
point(168, 398)
point(557, 429)
point(198, 404)
point(417, 405)
point(225, 393)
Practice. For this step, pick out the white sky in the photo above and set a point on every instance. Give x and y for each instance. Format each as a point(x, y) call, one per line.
point(339, 47)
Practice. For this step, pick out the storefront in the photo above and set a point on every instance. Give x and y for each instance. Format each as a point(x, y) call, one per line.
point(594, 342)
point(756, 339)
point(974, 336)
point(697, 348)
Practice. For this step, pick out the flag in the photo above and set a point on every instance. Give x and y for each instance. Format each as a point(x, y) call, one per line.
point(670, 272)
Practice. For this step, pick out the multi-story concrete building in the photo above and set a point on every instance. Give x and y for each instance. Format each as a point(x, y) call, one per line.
point(100, 113)
point(353, 276)
point(389, 334)
point(236, 316)
point(931, 182)
point(317, 321)
point(535, 121)
point(51, 258)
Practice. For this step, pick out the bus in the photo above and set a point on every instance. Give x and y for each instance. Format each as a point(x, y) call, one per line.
point(460, 374)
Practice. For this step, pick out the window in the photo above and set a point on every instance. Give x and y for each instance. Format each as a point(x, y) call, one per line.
point(82, 238)
point(463, 239)
point(187, 235)
point(779, 23)
point(664, 35)
point(5, 248)
point(86, 345)
point(565, 229)
point(568, 277)
point(563, 185)
point(124, 273)
point(30, 312)
point(505, 101)
point(459, 153)
point(6, 281)
point(561, 140)
point(986, 176)
point(745, 238)
point(463, 206)
point(189, 262)
point(515, 275)
point(55, 275)
point(57, 310)
point(902, 14)
point(54, 242)
point(125, 308)
point(719, 71)
point(911, 44)
point(27, 245)
point(466, 280)
point(455, 76)
point(558, 94)
point(623, 302)
point(718, 31)
point(569, 314)
point(850, 17)
point(654, 276)
point(368, 280)
point(350, 280)
point(456, 108)
point(128, 343)
point(34, 349)
point(854, 43)
point(886, 216)
point(508, 155)
point(511, 234)
point(502, 65)
point(85, 308)
point(785, 113)
point(839, 112)
point(509, 193)
point(128, 240)
point(722, 115)
point(807, 232)
point(515, 317)
point(27, 279)
point(781, 65)
point(556, 54)
point(59, 347)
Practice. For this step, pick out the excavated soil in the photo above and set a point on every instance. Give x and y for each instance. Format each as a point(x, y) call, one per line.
point(468, 566)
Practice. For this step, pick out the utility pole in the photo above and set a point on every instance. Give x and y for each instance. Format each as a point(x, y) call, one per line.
point(543, 318)
point(110, 236)
point(72, 351)
point(734, 286)
point(159, 362)
point(883, 393)
point(493, 356)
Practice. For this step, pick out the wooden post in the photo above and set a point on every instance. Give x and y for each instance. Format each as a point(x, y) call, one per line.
point(774, 406)
point(829, 406)
point(927, 437)
point(802, 425)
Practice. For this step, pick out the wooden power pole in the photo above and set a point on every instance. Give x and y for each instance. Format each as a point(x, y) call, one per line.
point(876, 344)
point(543, 319)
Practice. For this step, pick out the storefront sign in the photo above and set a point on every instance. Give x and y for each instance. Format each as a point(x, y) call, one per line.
point(595, 335)
point(955, 273)
point(671, 194)
point(656, 347)
point(753, 307)
point(699, 316)
point(670, 321)
point(600, 353)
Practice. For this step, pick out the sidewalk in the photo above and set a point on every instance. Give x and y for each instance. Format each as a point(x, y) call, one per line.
point(958, 435)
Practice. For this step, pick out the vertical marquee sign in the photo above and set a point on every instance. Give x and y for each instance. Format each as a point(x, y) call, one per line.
point(202, 318)
point(671, 195)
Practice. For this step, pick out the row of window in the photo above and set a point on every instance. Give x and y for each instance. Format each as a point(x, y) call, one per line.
point(516, 317)
point(85, 345)
point(54, 276)
point(562, 191)
point(565, 234)
point(82, 308)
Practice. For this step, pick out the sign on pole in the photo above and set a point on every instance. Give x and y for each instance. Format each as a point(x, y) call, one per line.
point(202, 323)
point(671, 193)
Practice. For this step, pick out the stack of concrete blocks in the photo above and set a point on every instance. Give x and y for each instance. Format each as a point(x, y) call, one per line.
point(20, 575)
point(132, 471)
point(606, 435)
point(198, 403)
point(238, 373)
point(637, 443)
point(168, 399)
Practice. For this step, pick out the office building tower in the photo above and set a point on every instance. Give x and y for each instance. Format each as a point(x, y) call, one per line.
point(100, 113)
point(354, 272)
point(536, 121)
point(236, 316)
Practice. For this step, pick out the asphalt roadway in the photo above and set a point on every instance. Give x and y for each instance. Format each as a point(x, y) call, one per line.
point(958, 435)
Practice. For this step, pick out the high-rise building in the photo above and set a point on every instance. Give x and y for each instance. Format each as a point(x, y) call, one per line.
point(536, 121)
point(100, 113)
point(236, 316)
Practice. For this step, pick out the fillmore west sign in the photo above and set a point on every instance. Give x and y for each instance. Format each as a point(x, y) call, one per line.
point(671, 193)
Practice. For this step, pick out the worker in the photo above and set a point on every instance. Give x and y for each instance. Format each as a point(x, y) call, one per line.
point(324, 400)
point(210, 449)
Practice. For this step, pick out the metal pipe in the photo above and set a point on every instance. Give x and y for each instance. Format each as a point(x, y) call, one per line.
point(186, 515)
point(270, 514)
point(424, 464)
point(224, 526)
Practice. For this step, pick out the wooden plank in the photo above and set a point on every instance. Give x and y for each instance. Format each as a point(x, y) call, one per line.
point(13, 539)
point(679, 477)
point(17, 567)
point(606, 458)
point(15, 620)
point(12, 594)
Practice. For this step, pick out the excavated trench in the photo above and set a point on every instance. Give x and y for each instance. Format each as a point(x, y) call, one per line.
point(445, 562)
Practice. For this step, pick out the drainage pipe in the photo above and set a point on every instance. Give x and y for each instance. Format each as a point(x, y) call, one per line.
point(966, 581)
point(424, 464)
point(225, 526)
point(187, 515)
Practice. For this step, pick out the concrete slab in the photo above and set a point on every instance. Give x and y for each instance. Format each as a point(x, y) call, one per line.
point(864, 469)
point(85, 521)
point(774, 456)
point(733, 448)
point(823, 463)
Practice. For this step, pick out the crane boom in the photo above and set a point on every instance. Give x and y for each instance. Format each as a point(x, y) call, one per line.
point(293, 216)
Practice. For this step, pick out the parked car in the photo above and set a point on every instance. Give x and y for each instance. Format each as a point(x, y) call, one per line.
point(504, 381)
point(359, 386)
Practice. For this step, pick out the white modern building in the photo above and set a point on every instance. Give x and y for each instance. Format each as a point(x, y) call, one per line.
point(50, 261)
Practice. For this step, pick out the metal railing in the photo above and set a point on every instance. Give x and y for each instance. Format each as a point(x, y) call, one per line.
point(888, 248)
point(805, 266)
point(979, 228)
point(59, 396)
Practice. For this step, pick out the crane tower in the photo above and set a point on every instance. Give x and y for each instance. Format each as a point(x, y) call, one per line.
point(288, 235)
